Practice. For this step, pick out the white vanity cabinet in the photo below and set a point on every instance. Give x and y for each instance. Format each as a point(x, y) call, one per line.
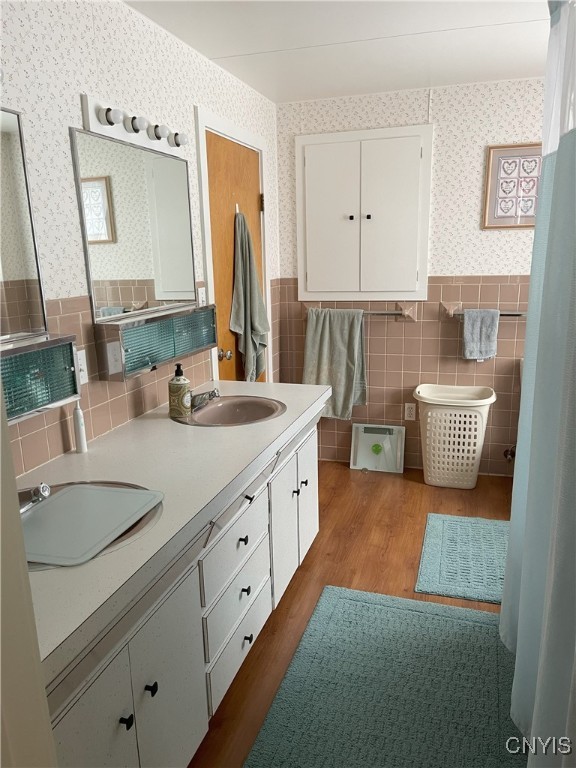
point(293, 492)
point(147, 707)
point(235, 588)
point(363, 201)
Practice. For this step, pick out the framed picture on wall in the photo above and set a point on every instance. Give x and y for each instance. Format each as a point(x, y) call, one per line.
point(511, 185)
point(98, 213)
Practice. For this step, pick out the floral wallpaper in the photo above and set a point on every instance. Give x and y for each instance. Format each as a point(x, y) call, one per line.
point(466, 119)
point(108, 50)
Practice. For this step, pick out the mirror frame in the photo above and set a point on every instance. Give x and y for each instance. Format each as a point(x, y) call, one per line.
point(156, 311)
point(10, 338)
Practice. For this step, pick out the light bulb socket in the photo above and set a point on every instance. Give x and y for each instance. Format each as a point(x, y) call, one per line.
point(177, 139)
point(110, 116)
point(157, 132)
point(135, 124)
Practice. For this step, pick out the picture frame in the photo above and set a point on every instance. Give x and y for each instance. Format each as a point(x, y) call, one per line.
point(98, 211)
point(512, 178)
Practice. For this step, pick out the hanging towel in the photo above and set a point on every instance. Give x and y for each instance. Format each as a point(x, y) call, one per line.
point(334, 355)
point(480, 334)
point(248, 316)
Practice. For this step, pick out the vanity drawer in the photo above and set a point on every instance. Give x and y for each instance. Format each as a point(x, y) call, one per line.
point(223, 670)
point(228, 552)
point(241, 591)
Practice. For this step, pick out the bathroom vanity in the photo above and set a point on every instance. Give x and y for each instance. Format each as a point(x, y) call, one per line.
point(140, 644)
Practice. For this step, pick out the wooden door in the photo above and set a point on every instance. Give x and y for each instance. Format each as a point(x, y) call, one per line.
point(233, 179)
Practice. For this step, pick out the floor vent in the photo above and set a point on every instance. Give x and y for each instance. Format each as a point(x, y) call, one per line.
point(376, 447)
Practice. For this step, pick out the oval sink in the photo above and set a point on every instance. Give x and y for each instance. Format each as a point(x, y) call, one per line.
point(136, 530)
point(232, 410)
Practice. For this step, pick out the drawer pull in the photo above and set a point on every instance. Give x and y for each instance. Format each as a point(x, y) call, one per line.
point(249, 638)
point(296, 492)
point(250, 498)
point(303, 482)
point(152, 688)
point(127, 721)
point(244, 540)
point(246, 589)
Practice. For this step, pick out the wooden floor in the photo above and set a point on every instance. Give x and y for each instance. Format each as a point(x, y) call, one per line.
point(371, 530)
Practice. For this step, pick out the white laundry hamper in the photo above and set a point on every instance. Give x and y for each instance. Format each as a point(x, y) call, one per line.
point(452, 426)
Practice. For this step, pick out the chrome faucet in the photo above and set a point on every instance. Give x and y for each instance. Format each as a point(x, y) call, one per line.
point(201, 399)
point(37, 495)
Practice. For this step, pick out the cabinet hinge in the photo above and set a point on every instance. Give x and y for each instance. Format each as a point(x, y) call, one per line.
point(421, 153)
point(262, 201)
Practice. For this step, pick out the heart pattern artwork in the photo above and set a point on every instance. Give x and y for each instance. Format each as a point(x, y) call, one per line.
point(508, 186)
point(516, 188)
point(505, 206)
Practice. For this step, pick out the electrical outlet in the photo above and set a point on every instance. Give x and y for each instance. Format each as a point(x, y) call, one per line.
point(409, 411)
point(201, 297)
point(82, 366)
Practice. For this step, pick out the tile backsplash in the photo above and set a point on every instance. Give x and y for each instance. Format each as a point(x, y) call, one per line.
point(400, 354)
point(106, 404)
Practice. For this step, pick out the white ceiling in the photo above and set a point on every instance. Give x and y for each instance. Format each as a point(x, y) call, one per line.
point(310, 49)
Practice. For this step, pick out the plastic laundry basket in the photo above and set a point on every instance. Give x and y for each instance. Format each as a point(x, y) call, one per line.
point(453, 425)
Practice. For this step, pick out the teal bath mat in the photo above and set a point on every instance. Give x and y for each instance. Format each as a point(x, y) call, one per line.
point(463, 557)
point(383, 682)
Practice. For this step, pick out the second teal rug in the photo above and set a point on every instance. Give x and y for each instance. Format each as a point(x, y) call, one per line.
point(463, 557)
point(383, 682)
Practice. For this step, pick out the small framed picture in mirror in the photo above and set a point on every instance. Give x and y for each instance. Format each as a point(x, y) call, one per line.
point(98, 211)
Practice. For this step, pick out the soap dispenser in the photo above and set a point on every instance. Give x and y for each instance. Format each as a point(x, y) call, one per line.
point(179, 397)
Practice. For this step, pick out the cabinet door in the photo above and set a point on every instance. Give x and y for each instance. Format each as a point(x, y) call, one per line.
point(391, 198)
point(284, 527)
point(308, 523)
point(167, 656)
point(332, 189)
point(90, 734)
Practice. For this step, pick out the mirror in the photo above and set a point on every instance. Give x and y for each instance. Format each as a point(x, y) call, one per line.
point(135, 211)
point(21, 301)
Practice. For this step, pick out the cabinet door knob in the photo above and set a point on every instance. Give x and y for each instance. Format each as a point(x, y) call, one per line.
point(249, 638)
point(296, 492)
point(246, 589)
point(244, 540)
point(368, 215)
point(351, 218)
point(127, 721)
point(250, 498)
point(303, 482)
point(152, 688)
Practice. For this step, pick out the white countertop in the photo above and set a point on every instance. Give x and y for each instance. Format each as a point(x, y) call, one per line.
point(200, 470)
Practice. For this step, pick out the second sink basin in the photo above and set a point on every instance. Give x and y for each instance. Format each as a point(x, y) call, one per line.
point(231, 410)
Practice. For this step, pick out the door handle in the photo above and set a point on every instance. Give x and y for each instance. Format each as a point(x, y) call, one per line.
point(222, 354)
point(127, 721)
point(152, 688)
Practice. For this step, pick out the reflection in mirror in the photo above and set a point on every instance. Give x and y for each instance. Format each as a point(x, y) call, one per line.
point(142, 259)
point(21, 302)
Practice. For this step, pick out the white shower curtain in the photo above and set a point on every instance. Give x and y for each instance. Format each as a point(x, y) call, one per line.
point(538, 620)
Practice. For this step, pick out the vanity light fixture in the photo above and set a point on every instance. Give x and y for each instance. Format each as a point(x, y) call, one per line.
point(178, 139)
point(135, 124)
point(110, 116)
point(157, 132)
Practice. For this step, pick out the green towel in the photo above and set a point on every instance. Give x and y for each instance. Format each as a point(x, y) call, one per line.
point(334, 355)
point(248, 316)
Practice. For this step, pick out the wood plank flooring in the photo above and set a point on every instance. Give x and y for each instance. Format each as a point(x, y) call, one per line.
point(371, 530)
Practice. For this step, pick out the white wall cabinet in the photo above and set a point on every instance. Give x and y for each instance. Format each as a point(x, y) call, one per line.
point(147, 707)
point(363, 200)
point(294, 523)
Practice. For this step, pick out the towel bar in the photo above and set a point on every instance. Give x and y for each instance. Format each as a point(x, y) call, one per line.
point(455, 310)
